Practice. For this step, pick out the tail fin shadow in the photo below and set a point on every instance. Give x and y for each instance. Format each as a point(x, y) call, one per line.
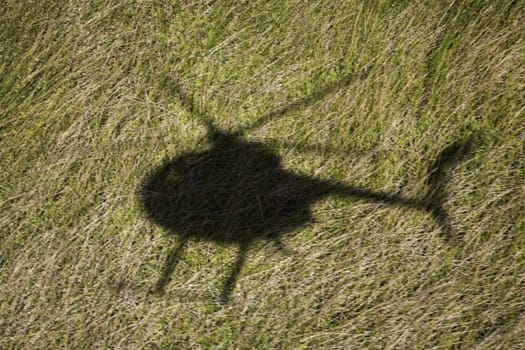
point(438, 178)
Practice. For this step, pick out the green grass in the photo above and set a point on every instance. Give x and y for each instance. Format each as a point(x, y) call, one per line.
point(88, 109)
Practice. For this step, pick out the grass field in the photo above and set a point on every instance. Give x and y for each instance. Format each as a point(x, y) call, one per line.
point(424, 250)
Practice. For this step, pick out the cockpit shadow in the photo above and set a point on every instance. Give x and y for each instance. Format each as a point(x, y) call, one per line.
point(236, 193)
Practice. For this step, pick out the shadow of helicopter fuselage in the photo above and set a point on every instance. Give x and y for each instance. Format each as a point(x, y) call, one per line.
point(238, 193)
point(235, 193)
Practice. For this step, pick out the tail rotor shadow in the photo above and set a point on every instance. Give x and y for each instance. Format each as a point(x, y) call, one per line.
point(439, 176)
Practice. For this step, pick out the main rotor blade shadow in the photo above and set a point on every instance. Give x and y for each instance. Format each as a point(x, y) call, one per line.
point(234, 274)
point(188, 103)
point(305, 101)
point(321, 149)
point(172, 259)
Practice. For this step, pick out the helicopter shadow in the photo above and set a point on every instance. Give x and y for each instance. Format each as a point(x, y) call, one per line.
point(238, 193)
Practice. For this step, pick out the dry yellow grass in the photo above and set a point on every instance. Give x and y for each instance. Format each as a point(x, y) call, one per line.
point(88, 110)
